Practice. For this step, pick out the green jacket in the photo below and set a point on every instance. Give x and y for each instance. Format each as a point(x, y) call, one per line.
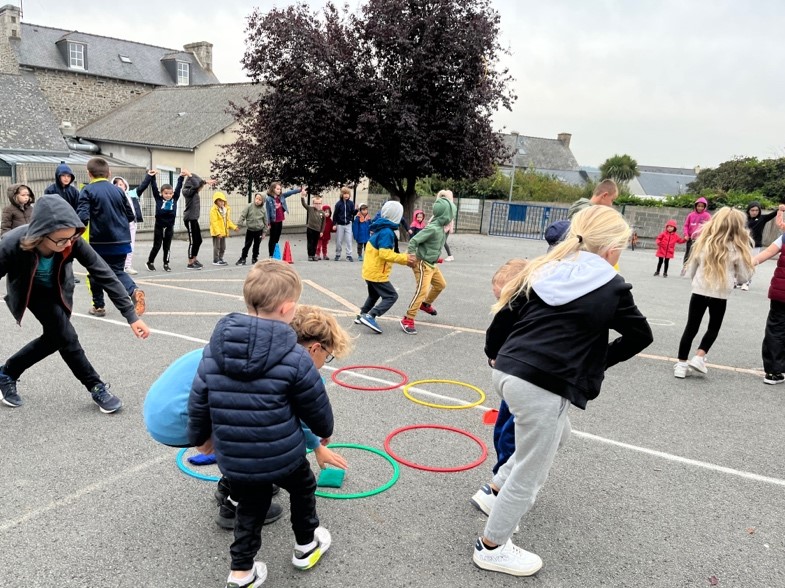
point(427, 244)
point(254, 217)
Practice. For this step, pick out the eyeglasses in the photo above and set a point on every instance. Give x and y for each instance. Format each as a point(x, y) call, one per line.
point(64, 242)
point(328, 358)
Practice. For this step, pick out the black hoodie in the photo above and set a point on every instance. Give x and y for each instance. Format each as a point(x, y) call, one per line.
point(69, 193)
point(758, 223)
point(52, 213)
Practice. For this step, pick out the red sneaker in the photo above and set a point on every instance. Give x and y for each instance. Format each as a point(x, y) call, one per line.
point(407, 325)
point(427, 308)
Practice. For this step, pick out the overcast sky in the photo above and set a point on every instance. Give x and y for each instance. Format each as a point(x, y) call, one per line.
point(669, 82)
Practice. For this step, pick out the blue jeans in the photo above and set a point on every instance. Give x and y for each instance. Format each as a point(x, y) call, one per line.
point(116, 263)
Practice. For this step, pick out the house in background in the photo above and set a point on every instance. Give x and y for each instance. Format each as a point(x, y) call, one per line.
point(547, 156)
point(658, 182)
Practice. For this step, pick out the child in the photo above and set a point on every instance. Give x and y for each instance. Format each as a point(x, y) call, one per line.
point(329, 228)
point(19, 209)
point(504, 428)
point(191, 213)
point(342, 219)
point(250, 415)
point(429, 281)
point(275, 204)
point(449, 227)
point(314, 224)
point(64, 185)
point(666, 246)
point(133, 200)
point(556, 232)
point(361, 230)
point(721, 254)
point(254, 218)
point(418, 223)
point(378, 265)
point(166, 404)
point(756, 222)
point(165, 214)
point(37, 261)
point(109, 213)
point(549, 341)
point(220, 225)
point(773, 348)
point(692, 227)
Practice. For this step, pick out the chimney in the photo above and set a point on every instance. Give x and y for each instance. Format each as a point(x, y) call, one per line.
point(697, 169)
point(10, 28)
point(564, 139)
point(203, 52)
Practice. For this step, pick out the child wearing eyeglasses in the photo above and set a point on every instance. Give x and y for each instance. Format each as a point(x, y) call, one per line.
point(36, 259)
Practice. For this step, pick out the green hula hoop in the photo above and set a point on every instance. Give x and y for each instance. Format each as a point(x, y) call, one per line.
point(379, 490)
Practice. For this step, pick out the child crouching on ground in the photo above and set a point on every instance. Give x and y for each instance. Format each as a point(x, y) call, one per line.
point(427, 245)
point(261, 385)
point(557, 312)
point(379, 256)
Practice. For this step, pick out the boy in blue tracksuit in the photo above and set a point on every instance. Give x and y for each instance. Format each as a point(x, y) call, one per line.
point(361, 229)
point(165, 214)
point(253, 387)
point(107, 210)
point(64, 185)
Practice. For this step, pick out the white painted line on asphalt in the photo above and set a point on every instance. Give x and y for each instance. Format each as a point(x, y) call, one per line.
point(156, 331)
point(195, 290)
point(71, 498)
point(329, 293)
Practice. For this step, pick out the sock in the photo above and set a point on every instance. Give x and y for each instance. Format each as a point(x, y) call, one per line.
point(306, 549)
point(245, 579)
point(486, 546)
point(494, 491)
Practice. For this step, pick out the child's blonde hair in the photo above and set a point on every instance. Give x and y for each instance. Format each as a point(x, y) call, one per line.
point(725, 231)
point(269, 284)
point(597, 229)
point(508, 271)
point(311, 323)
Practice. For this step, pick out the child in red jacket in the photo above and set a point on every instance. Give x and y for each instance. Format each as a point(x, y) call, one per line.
point(324, 240)
point(666, 246)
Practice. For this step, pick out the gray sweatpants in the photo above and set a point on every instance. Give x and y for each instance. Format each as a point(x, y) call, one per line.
point(541, 427)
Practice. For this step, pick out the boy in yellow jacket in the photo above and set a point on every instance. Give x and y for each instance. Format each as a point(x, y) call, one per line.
point(220, 225)
point(379, 256)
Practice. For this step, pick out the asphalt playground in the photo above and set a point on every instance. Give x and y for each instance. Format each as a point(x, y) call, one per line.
point(664, 483)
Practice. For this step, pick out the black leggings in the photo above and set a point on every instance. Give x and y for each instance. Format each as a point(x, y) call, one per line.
point(312, 236)
point(255, 238)
point(687, 248)
point(447, 247)
point(660, 261)
point(162, 235)
point(698, 306)
point(275, 236)
point(194, 238)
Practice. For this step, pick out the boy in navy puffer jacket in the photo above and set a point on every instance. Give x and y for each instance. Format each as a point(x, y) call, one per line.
point(253, 387)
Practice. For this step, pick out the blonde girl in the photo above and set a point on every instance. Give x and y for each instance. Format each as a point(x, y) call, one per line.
point(720, 257)
point(548, 343)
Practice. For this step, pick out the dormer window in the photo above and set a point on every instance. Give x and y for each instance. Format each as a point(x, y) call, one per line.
point(183, 73)
point(76, 55)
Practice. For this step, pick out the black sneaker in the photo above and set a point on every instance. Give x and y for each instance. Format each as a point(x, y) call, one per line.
point(198, 263)
point(254, 260)
point(228, 512)
point(106, 401)
point(193, 266)
point(167, 268)
point(8, 387)
point(150, 266)
point(768, 379)
point(240, 261)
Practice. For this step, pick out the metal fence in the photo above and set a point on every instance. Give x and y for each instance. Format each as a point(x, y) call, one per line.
point(523, 220)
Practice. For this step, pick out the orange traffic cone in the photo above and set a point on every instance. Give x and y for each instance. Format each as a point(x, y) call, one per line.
point(287, 253)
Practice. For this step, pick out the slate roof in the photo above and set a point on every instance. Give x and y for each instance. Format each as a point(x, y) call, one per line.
point(26, 123)
point(37, 48)
point(540, 153)
point(180, 117)
point(662, 184)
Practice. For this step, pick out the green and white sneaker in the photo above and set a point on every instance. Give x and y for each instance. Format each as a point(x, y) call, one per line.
point(307, 556)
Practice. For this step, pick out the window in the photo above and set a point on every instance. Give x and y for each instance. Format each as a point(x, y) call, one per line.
point(125, 59)
point(76, 55)
point(183, 73)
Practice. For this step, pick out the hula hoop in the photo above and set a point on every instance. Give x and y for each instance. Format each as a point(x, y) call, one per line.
point(379, 490)
point(444, 406)
point(417, 466)
point(404, 377)
point(189, 472)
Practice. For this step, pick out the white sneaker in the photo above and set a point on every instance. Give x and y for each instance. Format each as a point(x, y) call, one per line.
point(484, 499)
point(507, 559)
point(745, 287)
point(259, 576)
point(449, 258)
point(698, 363)
point(305, 560)
point(680, 369)
point(131, 271)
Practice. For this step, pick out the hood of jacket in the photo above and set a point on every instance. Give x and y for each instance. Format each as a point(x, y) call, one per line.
point(246, 347)
point(63, 169)
point(220, 196)
point(127, 185)
point(11, 192)
point(671, 223)
point(560, 282)
point(326, 208)
point(703, 201)
point(443, 211)
point(752, 205)
point(383, 223)
point(51, 213)
point(418, 224)
point(392, 210)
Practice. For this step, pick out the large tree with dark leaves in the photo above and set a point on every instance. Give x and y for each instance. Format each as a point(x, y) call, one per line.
point(401, 90)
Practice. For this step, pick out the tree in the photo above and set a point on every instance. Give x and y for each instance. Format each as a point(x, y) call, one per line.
point(620, 168)
point(402, 90)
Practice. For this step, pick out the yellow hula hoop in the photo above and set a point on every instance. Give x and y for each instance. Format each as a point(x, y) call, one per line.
point(444, 406)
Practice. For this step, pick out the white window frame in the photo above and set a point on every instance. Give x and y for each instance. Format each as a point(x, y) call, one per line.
point(76, 54)
point(183, 73)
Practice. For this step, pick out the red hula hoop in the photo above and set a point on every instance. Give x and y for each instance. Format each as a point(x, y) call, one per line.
point(417, 466)
point(405, 378)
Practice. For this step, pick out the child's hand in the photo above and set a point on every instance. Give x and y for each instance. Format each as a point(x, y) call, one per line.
point(185, 173)
point(412, 260)
point(211, 182)
point(236, 229)
point(151, 172)
point(325, 457)
point(141, 330)
point(206, 448)
point(410, 231)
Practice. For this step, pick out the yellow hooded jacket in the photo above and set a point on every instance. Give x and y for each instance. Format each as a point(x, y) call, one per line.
point(220, 224)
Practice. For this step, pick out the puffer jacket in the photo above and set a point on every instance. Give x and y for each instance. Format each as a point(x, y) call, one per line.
point(253, 384)
point(14, 214)
point(69, 193)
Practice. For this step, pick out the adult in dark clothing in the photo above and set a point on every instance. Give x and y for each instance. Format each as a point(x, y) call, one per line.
point(64, 185)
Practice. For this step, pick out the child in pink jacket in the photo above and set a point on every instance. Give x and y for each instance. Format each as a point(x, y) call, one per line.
point(666, 246)
point(692, 227)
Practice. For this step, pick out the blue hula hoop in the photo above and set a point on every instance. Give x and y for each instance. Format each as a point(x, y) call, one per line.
point(189, 472)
